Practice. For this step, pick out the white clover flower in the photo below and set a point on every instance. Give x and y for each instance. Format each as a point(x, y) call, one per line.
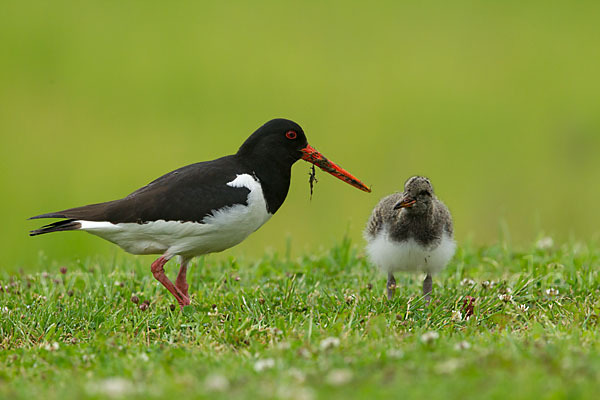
point(304, 352)
point(287, 392)
point(51, 346)
point(214, 313)
point(216, 383)
point(464, 345)
point(456, 316)
point(448, 366)
point(395, 353)
point(488, 284)
point(283, 345)
point(523, 307)
point(544, 243)
point(297, 375)
point(304, 393)
point(111, 387)
point(264, 364)
point(552, 292)
point(329, 343)
point(338, 377)
point(468, 282)
point(505, 297)
point(429, 337)
point(276, 331)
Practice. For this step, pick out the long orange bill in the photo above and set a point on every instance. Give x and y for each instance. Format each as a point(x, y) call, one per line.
point(311, 155)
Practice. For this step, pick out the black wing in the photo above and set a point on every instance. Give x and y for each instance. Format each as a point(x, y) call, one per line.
point(189, 193)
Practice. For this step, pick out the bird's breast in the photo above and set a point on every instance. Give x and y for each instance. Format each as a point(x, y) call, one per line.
point(392, 255)
point(240, 220)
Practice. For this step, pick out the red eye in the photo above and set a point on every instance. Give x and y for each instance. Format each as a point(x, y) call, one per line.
point(291, 135)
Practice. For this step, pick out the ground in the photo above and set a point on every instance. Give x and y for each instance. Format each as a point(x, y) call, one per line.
point(503, 324)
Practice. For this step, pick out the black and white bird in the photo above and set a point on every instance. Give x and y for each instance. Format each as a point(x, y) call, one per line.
point(410, 231)
point(202, 208)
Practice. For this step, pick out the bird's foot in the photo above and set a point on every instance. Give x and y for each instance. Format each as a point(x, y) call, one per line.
point(159, 273)
point(391, 286)
point(427, 299)
point(185, 302)
point(391, 289)
point(181, 280)
point(427, 288)
point(182, 286)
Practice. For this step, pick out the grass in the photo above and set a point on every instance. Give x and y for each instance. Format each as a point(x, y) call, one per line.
point(315, 327)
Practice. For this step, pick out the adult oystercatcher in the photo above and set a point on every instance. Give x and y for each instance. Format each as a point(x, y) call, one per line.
point(202, 208)
point(411, 231)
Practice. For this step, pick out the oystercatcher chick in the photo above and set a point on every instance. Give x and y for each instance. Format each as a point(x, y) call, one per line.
point(410, 231)
point(202, 208)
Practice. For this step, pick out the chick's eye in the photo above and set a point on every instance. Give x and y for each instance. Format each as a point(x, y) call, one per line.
point(424, 193)
point(291, 135)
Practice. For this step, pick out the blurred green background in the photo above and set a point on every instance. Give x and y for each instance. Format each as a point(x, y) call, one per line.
point(497, 102)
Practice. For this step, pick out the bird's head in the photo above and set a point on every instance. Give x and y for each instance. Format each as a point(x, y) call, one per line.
point(417, 197)
point(284, 141)
point(279, 139)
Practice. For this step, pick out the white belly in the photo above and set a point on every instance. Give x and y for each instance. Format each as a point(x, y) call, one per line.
point(223, 229)
point(391, 256)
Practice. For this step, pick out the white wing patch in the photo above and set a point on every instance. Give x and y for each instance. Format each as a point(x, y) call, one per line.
point(225, 228)
point(391, 256)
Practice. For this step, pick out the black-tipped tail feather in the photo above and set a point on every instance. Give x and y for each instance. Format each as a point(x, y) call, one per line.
point(66, 225)
point(59, 214)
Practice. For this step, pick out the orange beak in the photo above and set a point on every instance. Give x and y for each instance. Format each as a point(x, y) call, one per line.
point(311, 155)
point(406, 202)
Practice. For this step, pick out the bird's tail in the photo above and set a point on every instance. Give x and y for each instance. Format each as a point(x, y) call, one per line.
point(65, 225)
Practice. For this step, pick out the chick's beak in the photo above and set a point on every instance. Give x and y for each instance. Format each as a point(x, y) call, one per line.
point(406, 202)
point(311, 155)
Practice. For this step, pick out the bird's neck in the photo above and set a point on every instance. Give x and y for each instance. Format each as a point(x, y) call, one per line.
point(419, 216)
point(274, 177)
point(419, 220)
point(417, 226)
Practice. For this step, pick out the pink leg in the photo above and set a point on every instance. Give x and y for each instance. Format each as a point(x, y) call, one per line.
point(181, 281)
point(159, 273)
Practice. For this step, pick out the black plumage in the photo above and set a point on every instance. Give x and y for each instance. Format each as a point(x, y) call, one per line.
point(189, 194)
